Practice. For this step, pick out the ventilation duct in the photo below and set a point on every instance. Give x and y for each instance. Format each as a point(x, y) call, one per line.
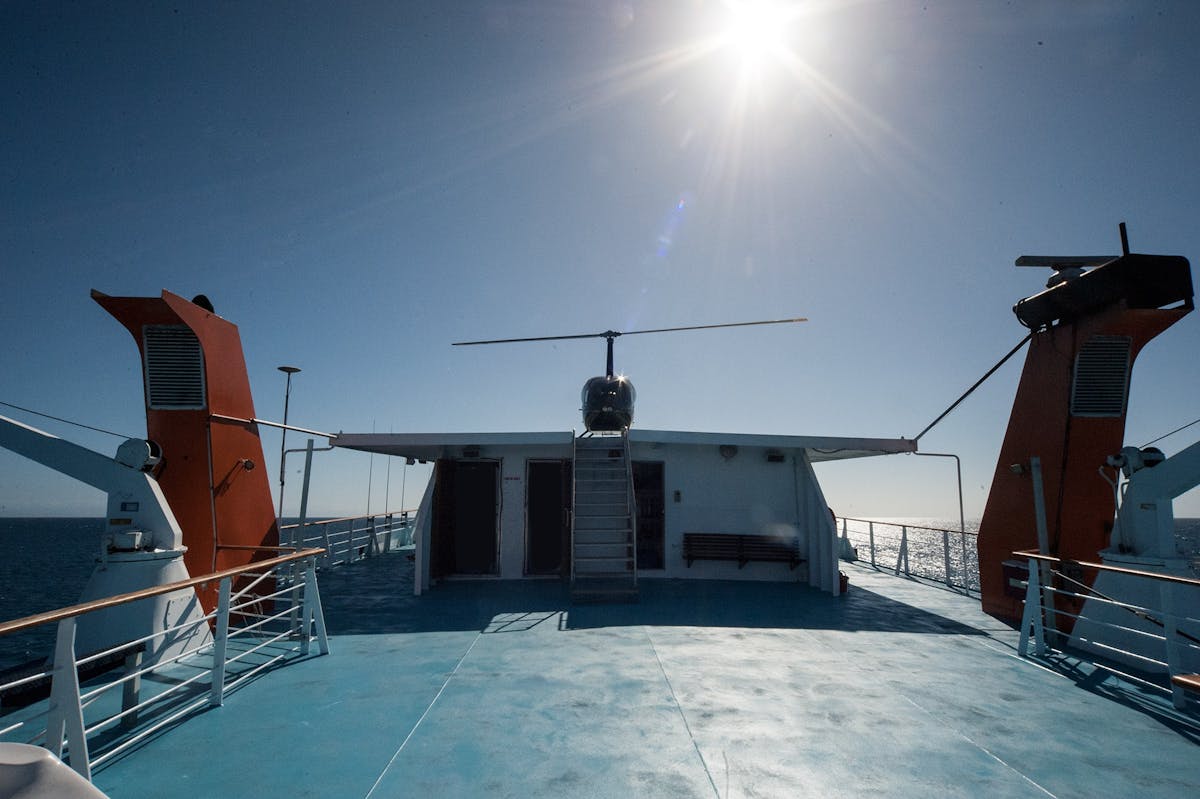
point(1101, 377)
point(174, 368)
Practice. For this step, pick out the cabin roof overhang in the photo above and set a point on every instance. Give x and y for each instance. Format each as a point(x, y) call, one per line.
point(431, 446)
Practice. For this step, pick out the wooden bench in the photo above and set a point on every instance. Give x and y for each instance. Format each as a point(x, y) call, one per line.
point(742, 548)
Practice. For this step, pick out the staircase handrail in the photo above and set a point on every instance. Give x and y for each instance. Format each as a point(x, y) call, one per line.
point(630, 500)
point(574, 482)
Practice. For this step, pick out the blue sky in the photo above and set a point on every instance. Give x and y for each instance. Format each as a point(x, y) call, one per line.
point(357, 185)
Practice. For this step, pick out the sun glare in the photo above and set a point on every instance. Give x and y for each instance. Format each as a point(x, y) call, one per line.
point(756, 30)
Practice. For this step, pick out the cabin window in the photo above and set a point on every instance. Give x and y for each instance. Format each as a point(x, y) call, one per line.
point(174, 368)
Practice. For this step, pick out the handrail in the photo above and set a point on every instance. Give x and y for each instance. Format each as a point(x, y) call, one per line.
point(1040, 612)
point(313, 522)
point(220, 417)
point(1033, 554)
point(71, 611)
point(911, 526)
point(574, 483)
point(630, 500)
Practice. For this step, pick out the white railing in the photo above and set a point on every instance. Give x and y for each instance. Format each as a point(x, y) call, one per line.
point(352, 538)
point(263, 617)
point(574, 483)
point(1054, 588)
point(934, 553)
point(630, 503)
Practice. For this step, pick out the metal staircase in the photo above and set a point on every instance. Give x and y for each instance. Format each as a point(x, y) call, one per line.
point(603, 524)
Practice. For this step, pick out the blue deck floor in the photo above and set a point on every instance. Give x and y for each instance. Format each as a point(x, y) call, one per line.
point(708, 689)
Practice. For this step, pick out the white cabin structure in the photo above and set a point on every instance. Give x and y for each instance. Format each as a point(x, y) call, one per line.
point(530, 505)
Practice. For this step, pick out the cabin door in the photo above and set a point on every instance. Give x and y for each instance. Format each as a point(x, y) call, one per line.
point(651, 513)
point(464, 536)
point(547, 517)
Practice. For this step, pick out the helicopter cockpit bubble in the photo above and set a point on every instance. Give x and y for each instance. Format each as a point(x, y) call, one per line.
point(608, 403)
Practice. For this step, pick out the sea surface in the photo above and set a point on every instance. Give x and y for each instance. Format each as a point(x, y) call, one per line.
point(45, 562)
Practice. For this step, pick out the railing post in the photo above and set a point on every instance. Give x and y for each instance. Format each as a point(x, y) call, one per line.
point(313, 613)
point(132, 690)
point(64, 718)
point(216, 694)
point(871, 533)
point(1043, 536)
point(387, 533)
point(1171, 634)
point(328, 547)
point(1032, 615)
point(902, 556)
point(946, 556)
point(372, 538)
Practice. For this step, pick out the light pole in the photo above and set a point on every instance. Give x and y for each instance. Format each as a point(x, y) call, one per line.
point(287, 393)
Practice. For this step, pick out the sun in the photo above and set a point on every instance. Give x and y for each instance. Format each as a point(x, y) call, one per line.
point(756, 31)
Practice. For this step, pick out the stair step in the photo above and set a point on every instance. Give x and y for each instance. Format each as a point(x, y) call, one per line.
point(604, 589)
point(601, 512)
point(606, 537)
point(599, 487)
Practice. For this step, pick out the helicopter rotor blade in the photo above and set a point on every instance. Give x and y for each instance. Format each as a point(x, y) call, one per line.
point(533, 338)
point(611, 334)
point(709, 327)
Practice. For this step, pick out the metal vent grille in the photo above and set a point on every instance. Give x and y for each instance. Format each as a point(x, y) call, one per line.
point(1101, 377)
point(174, 367)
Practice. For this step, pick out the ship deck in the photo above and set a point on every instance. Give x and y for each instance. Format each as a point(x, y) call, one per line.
point(725, 689)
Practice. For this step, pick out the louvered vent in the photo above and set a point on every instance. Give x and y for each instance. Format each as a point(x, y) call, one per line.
point(174, 367)
point(1101, 377)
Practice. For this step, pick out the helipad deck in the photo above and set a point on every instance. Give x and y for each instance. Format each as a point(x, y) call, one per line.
point(700, 689)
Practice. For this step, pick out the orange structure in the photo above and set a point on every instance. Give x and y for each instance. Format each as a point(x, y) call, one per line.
point(1069, 415)
point(211, 470)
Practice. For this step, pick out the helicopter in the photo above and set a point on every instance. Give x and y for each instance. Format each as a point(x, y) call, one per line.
point(608, 400)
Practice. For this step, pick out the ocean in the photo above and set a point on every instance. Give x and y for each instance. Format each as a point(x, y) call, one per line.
point(44, 563)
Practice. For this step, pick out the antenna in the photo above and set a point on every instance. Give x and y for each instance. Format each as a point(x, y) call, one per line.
point(1061, 262)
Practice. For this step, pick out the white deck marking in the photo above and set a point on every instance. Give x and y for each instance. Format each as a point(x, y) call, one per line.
point(978, 746)
point(683, 716)
point(432, 702)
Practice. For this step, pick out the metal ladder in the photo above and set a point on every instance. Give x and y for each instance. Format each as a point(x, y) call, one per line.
point(604, 521)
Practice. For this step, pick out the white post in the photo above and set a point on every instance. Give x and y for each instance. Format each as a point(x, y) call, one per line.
point(1039, 509)
point(64, 719)
point(313, 613)
point(328, 546)
point(1171, 633)
point(871, 533)
point(1032, 615)
point(902, 557)
point(372, 538)
point(946, 555)
point(216, 694)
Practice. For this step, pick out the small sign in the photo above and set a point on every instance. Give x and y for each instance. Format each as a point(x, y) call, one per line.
point(516, 479)
point(129, 507)
point(113, 522)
